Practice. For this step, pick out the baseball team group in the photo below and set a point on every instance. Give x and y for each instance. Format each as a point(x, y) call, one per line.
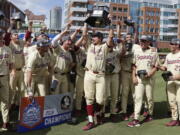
point(102, 70)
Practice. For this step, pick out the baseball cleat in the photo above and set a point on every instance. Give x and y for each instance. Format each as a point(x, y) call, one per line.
point(134, 123)
point(89, 126)
point(172, 123)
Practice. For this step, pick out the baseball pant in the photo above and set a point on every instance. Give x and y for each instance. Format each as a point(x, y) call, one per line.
point(94, 88)
point(79, 91)
point(4, 98)
point(112, 87)
point(62, 86)
point(17, 87)
point(38, 85)
point(127, 87)
point(143, 87)
point(173, 89)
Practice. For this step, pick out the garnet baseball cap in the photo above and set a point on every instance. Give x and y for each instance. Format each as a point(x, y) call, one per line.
point(98, 34)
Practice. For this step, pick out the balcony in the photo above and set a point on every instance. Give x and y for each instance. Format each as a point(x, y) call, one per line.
point(78, 9)
point(83, 1)
point(172, 17)
point(168, 34)
point(77, 18)
point(169, 26)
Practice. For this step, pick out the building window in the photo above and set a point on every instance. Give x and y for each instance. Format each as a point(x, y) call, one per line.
point(157, 21)
point(156, 30)
point(147, 29)
point(120, 9)
point(140, 29)
point(124, 18)
point(114, 9)
point(147, 21)
point(151, 21)
point(157, 14)
point(141, 21)
point(124, 27)
point(151, 29)
point(125, 10)
point(114, 18)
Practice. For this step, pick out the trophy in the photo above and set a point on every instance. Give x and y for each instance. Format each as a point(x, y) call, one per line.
point(18, 18)
point(166, 75)
point(142, 73)
point(1, 15)
point(98, 16)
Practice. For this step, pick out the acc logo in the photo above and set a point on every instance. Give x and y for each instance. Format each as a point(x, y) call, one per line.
point(31, 115)
point(66, 103)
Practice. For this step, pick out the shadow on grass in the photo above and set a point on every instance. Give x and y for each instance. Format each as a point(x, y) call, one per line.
point(161, 110)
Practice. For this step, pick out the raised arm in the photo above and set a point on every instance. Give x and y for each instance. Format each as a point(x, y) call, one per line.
point(83, 38)
point(111, 33)
point(59, 36)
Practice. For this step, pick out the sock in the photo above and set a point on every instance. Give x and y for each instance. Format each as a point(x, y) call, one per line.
point(90, 112)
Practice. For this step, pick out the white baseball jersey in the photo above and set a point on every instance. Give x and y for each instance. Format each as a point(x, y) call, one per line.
point(80, 58)
point(37, 64)
point(113, 58)
point(63, 60)
point(27, 53)
point(145, 60)
point(17, 53)
point(96, 57)
point(172, 63)
point(5, 60)
point(127, 59)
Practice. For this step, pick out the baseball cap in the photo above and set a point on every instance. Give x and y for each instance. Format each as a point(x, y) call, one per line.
point(144, 37)
point(175, 41)
point(43, 43)
point(150, 38)
point(98, 34)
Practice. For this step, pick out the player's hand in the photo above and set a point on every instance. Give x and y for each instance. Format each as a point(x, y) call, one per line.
point(148, 75)
point(172, 78)
point(30, 23)
point(78, 30)
point(110, 17)
point(13, 73)
point(135, 80)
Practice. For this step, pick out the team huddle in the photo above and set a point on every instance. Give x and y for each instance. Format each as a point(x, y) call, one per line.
point(98, 69)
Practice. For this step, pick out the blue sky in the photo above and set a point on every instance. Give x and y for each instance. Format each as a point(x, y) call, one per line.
point(38, 6)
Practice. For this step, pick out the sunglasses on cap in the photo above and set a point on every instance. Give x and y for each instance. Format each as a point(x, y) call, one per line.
point(173, 44)
point(144, 41)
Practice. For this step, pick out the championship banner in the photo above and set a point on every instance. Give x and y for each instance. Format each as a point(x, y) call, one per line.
point(43, 112)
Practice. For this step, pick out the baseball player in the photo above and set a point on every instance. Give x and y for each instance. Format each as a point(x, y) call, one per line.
point(172, 64)
point(126, 73)
point(81, 54)
point(145, 65)
point(94, 80)
point(37, 67)
point(17, 80)
point(6, 66)
point(112, 79)
point(63, 62)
